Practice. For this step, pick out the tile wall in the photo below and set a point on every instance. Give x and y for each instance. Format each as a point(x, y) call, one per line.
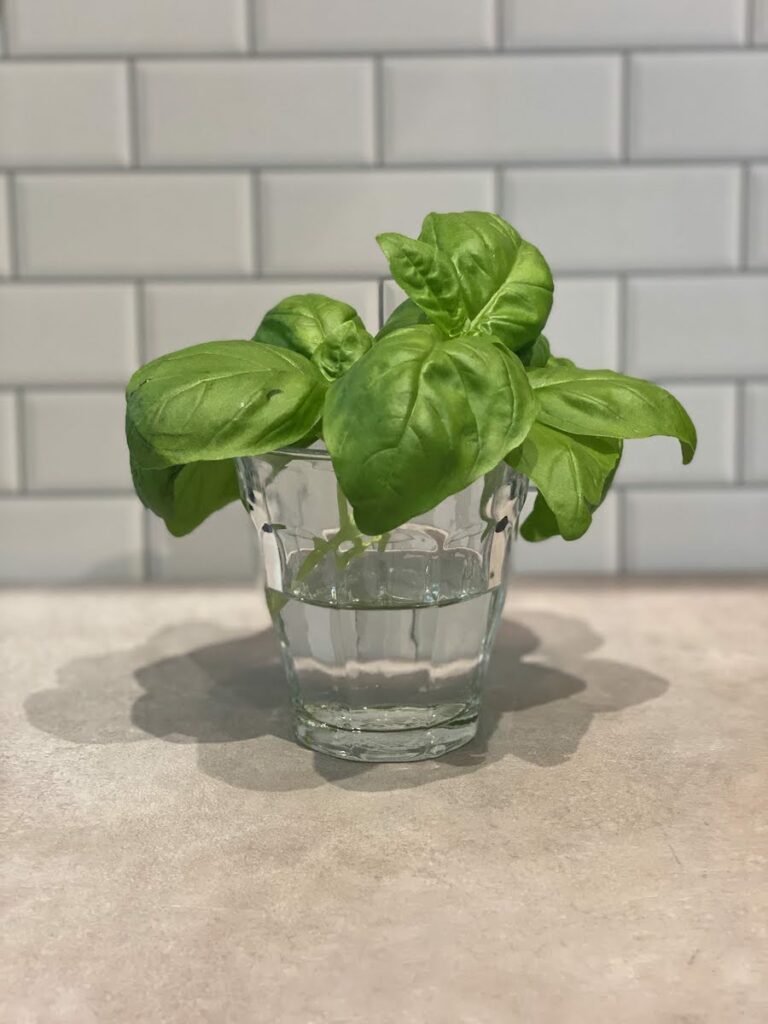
point(169, 169)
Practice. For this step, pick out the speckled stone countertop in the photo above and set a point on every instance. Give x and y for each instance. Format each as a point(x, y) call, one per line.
point(599, 854)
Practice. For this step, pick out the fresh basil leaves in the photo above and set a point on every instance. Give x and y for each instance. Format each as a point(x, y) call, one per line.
point(459, 378)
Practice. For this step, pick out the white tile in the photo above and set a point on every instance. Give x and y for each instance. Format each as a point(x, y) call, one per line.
point(185, 314)
point(628, 218)
point(222, 549)
point(70, 540)
point(66, 333)
point(657, 460)
point(264, 111)
point(125, 26)
point(326, 222)
point(697, 326)
point(501, 108)
point(697, 531)
point(355, 25)
point(75, 440)
point(699, 105)
point(583, 324)
point(9, 468)
point(758, 216)
point(5, 229)
point(135, 224)
point(594, 553)
point(59, 112)
point(756, 432)
point(623, 22)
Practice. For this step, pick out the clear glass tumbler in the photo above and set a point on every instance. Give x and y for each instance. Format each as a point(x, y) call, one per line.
point(385, 640)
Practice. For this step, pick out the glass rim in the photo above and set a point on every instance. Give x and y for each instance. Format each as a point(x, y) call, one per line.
point(295, 452)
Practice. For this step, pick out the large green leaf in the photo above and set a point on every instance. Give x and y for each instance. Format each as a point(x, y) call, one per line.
point(572, 474)
point(219, 400)
point(183, 496)
point(420, 417)
point(429, 278)
point(407, 314)
point(607, 404)
point(505, 282)
point(303, 322)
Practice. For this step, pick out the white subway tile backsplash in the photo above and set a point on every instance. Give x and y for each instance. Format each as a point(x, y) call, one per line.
point(145, 223)
point(658, 460)
point(584, 322)
point(758, 216)
point(697, 326)
point(223, 548)
point(9, 461)
point(67, 333)
point(70, 540)
point(263, 111)
point(325, 222)
point(125, 26)
point(185, 314)
point(756, 432)
point(629, 218)
point(617, 23)
point(367, 25)
point(76, 441)
point(694, 530)
point(501, 108)
point(55, 113)
point(700, 104)
point(596, 553)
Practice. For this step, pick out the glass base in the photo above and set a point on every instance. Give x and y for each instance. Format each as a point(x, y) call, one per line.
point(385, 734)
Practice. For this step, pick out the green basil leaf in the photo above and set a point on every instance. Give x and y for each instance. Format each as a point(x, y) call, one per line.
point(608, 404)
point(420, 417)
point(540, 523)
point(535, 353)
point(429, 278)
point(219, 400)
point(505, 281)
point(571, 472)
point(183, 496)
point(303, 322)
point(341, 349)
point(407, 314)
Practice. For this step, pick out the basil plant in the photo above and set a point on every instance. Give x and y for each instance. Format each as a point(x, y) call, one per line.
point(459, 378)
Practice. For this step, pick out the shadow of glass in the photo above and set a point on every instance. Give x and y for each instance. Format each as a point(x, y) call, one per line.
point(194, 683)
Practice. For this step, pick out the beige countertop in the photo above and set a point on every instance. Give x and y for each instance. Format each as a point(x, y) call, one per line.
point(598, 855)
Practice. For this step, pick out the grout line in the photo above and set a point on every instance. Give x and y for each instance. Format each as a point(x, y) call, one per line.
point(379, 112)
point(257, 254)
point(743, 222)
point(739, 434)
point(750, 18)
point(95, 278)
point(498, 190)
point(249, 16)
point(500, 25)
point(435, 166)
point(21, 441)
point(625, 108)
point(381, 304)
point(337, 55)
point(134, 134)
point(621, 531)
point(622, 322)
point(14, 247)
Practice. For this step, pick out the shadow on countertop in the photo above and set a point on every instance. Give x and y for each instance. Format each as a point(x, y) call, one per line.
point(198, 685)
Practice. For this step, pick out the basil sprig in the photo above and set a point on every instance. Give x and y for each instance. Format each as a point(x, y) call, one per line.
point(459, 378)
